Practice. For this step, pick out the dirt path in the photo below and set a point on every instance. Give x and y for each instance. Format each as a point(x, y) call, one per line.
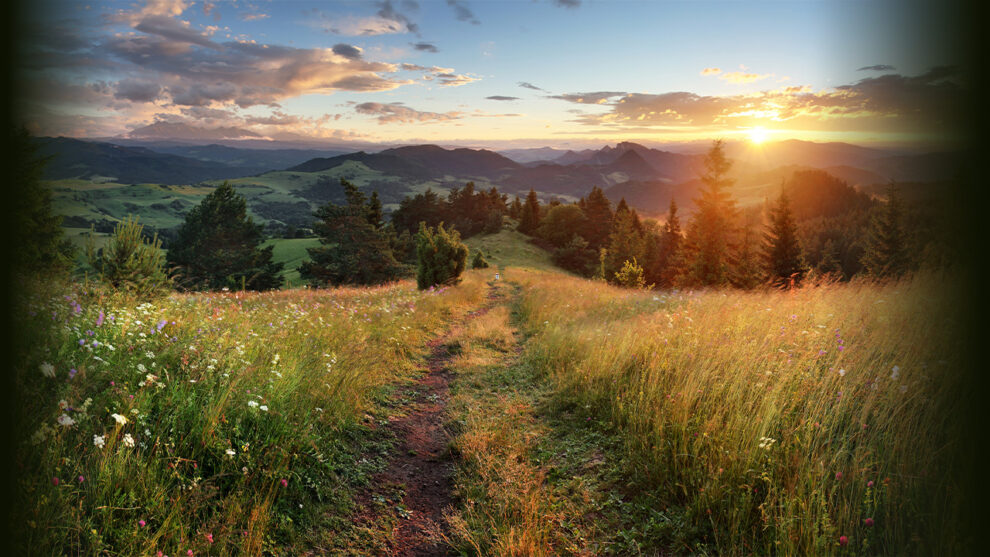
point(420, 465)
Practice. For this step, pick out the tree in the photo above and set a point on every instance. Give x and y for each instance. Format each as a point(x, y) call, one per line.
point(625, 243)
point(352, 250)
point(886, 254)
point(711, 232)
point(561, 223)
point(782, 256)
point(441, 256)
point(479, 261)
point(516, 208)
point(670, 260)
point(129, 261)
point(425, 207)
point(576, 256)
point(219, 246)
point(598, 210)
point(375, 216)
point(530, 219)
point(39, 245)
point(631, 275)
point(747, 271)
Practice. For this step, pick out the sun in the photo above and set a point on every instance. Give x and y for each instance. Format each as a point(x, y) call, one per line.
point(758, 135)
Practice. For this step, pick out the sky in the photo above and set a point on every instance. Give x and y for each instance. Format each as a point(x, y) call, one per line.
point(509, 73)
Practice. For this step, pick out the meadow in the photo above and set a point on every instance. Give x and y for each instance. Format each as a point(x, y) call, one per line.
point(584, 419)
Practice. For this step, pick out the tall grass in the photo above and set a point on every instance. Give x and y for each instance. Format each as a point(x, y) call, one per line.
point(807, 422)
point(225, 423)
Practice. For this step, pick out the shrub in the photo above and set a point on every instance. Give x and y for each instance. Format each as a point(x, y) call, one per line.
point(441, 256)
point(479, 261)
point(631, 275)
point(130, 261)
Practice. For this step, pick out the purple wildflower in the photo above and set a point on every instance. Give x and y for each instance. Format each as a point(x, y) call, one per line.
point(99, 319)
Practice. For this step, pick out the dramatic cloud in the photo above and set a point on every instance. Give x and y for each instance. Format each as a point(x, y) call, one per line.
point(711, 71)
point(527, 85)
point(425, 47)
point(462, 12)
point(137, 91)
point(877, 68)
point(886, 103)
point(397, 113)
point(347, 51)
point(502, 98)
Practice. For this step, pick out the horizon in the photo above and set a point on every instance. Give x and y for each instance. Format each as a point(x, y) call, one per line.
point(463, 74)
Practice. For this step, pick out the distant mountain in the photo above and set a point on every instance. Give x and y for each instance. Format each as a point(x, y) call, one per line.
point(523, 156)
point(456, 162)
point(271, 159)
point(73, 158)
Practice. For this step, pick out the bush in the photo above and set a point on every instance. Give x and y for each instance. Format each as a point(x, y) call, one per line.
point(441, 256)
point(130, 262)
point(631, 275)
point(479, 261)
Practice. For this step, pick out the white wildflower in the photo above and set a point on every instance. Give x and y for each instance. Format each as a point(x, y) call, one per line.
point(231, 452)
point(120, 419)
point(150, 354)
point(263, 408)
point(99, 441)
point(842, 373)
point(62, 404)
point(128, 440)
point(767, 442)
point(142, 369)
point(48, 370)
point(895, 373)
point(65, 421)
point(252, 404)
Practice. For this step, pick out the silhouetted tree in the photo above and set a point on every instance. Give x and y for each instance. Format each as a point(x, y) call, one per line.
point(782, 256)
point(625, 243)
point(529, 221)
point(598, 210)
point(375, 216)
point(561, 223)
point(219, 245)
point(885, 254)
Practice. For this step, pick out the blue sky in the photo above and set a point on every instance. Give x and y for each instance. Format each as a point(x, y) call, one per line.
point(451, 71)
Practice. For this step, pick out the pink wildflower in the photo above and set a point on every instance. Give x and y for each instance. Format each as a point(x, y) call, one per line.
point(141, 523)
point(838, 475)
point(54, 481)
point(81, 479)
point(868, 522)
point(843, 540)
point(285, 482)
point(209, 538)
point(869, 483)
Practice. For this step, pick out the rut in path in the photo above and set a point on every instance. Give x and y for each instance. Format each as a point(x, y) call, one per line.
point(421, 460)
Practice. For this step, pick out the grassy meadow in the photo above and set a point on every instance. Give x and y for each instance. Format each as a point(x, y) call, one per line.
point(584, 419)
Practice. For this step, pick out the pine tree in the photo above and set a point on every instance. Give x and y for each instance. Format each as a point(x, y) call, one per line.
point(625, 243)
point(671, 244)
point(479, 261)
point(782, 257)
point(515, 208)
point(375, 216)
point(530, 219)
point(598, 210)
point(38, 242)
point(352, 250)
point(747, 272)
point(711, 233)
point(129, 261)
point(886, 253)
point(829, 264)
point(441, 256)
point(219, 246)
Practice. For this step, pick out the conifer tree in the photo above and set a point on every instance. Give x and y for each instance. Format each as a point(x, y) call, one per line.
point(219, 245)
point(515, 208)
point(782, 257)
point(375, 215)
point(711, 233)
point(625, 243)
point(530, 219)
point(129, 261)
point(441, 256)
point(352, 250)
point(671, 253)
point(598, 210)
point(747, 271)
point(829, 264)
point(885, 255)
point(479, 261)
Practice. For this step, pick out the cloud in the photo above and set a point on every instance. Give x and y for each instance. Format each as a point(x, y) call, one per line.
point(462, 12)
point(877, 68)
point(347, 51)
point(742, 77)
point(253, 16)
point(528, 85)
point(454, 80)
point(711, 71)
point(598, 97)
point(388, 12)
point(397, 113)
point(567, 3)
point(502, 98)
point(425, 47)
point(922, 103)
point(137, 90)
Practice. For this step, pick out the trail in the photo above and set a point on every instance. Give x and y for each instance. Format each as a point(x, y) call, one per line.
point(420, 462)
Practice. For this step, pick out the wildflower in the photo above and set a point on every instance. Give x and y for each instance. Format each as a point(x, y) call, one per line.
point(54, 481)
point(62, 404)
point(252, 404)
point(209, 537)
point(895, 373)
point(48, 370)
point(263, 408)
point(149, 354)
point(81, 479)
point(231, 452)
point(141, 368)
point(189, 553)
point(99, 441)
point(838, 475)
point(128, 440)
point(868, 522)
point(285, 482)
point(99, 319)
point(141, 523)
point(120, 419)
point(869, 483)
point(65, 421)
point(842, 373)
point(843, 540)
point(72, 373)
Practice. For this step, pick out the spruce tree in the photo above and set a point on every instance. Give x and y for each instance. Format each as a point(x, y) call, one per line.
point(747, 272)
point(441, 256)
point(516, 208)
point(219, 246)
point(479, 261)
point(782, 257)
point(885, 255)
point(671, 243)
point(829, 264)
point(625, 243)
point(352, 250)
point(530, 219)
point(38, 242)
point(129, 261)
point(598, 210)
point(375, 216)
point(711, 233)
